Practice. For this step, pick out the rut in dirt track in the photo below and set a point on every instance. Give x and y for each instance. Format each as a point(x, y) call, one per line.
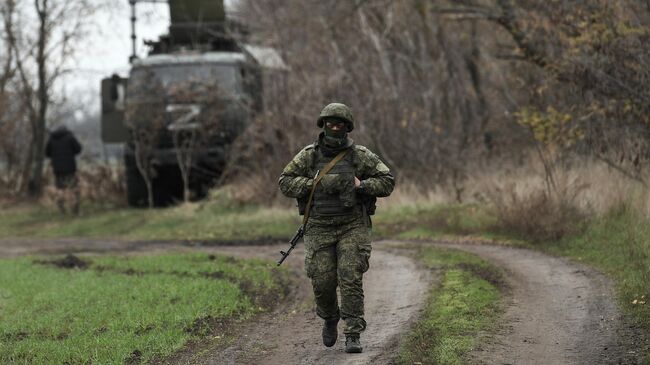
point(556, 311)
point(395, 289)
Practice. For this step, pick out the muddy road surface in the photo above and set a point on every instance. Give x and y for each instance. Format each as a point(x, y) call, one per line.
point(555, 311)
point(395, 287)
point(395, 290)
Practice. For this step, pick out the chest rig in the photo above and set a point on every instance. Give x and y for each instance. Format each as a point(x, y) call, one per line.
point(339, 201)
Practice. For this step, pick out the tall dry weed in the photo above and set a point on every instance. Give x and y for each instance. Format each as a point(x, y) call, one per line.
point(526, 205)
point(103, 184)
point(538, 214)
point(99, 185)
point(409, 193)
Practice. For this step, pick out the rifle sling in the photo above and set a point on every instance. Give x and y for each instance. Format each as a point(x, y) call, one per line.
point(317, 179)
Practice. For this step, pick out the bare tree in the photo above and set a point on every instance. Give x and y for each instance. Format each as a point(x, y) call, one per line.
point(185, 133)
point(436, 85)
point(12, 128)
point(196, 120)
point(416, 83)
point(144, 141)
point(586, 59)
point(41, 54)
point(145, 116)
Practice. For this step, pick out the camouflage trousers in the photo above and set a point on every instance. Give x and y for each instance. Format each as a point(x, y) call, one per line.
point(337, 253)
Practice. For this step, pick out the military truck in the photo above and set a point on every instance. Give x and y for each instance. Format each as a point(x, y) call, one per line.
point(185, 103)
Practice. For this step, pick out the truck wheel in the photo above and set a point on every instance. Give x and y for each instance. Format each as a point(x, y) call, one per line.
point(136, 189)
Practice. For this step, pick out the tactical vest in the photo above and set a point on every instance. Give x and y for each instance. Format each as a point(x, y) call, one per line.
point(342, 202)
point(369, 202)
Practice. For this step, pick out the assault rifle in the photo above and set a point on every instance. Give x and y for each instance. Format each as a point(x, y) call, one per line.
point(293, 243)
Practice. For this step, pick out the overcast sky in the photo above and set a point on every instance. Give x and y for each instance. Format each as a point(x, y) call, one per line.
point(108, 48)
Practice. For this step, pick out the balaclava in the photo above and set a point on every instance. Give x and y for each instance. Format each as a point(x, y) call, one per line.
point(335, 139)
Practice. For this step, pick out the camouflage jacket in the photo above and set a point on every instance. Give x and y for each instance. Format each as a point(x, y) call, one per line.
point(297, 179)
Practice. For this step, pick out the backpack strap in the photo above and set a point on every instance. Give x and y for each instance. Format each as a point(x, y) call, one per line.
point(317, 179)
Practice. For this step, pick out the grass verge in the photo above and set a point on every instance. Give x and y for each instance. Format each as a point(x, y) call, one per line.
point(617, 243)
point(464, 304)
point(426, 221)
point(223, 219)
point(115, 310)
point(212, 220)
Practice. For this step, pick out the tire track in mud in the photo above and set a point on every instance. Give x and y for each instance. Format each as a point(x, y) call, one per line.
point(556, 311)
point(395, 289)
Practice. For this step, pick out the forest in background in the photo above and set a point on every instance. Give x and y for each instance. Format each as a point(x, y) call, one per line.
point(493, 100)
point(443, 90)
point(509, 123)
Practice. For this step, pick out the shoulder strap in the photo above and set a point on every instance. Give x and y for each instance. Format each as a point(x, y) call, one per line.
point(317, 179)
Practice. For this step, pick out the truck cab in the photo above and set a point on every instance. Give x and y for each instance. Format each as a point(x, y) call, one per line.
point(182, 107)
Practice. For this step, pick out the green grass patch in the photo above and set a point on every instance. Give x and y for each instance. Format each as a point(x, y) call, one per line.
point(118, 308)
point(223, 219)
point(426, 221)
point(211, 220)
point(465, 303)
point(618, 244)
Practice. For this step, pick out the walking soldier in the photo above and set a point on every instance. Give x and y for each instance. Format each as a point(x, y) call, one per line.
point(337, 184)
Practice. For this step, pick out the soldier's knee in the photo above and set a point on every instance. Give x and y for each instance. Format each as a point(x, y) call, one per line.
point(324, 282)
point(349, 277)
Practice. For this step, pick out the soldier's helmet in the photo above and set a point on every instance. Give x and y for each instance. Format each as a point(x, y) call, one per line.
point(339, 111)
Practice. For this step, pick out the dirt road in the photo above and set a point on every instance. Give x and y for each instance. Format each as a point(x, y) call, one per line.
point(395, 289)
point(556, 311)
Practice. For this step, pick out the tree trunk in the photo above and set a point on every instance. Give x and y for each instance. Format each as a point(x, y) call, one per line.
point(25, 174)
point(143, 162)
point(149, 192)
point(36, 180)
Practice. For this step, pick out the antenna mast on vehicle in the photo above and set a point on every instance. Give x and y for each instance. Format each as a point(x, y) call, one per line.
point(195, 24)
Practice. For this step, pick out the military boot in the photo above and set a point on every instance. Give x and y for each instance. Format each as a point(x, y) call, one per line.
point(330, 332)
point(352, 344)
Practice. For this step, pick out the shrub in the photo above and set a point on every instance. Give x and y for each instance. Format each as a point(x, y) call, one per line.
point(99, 184)
point(540, 213)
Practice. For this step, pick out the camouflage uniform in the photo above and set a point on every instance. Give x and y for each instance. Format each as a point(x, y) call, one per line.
point(337, 246)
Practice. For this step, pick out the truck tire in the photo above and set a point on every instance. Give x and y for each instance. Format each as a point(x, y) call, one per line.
point(136, 189)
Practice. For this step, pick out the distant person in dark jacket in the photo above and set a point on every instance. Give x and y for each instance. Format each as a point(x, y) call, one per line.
point(61, 149)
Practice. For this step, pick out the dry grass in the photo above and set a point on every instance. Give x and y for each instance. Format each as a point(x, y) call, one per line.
point(261, 188)
point(526, 205)
point(101, 183)
point(598, 189)
point(540, 214)
point(98, 185)
point(407, 193)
